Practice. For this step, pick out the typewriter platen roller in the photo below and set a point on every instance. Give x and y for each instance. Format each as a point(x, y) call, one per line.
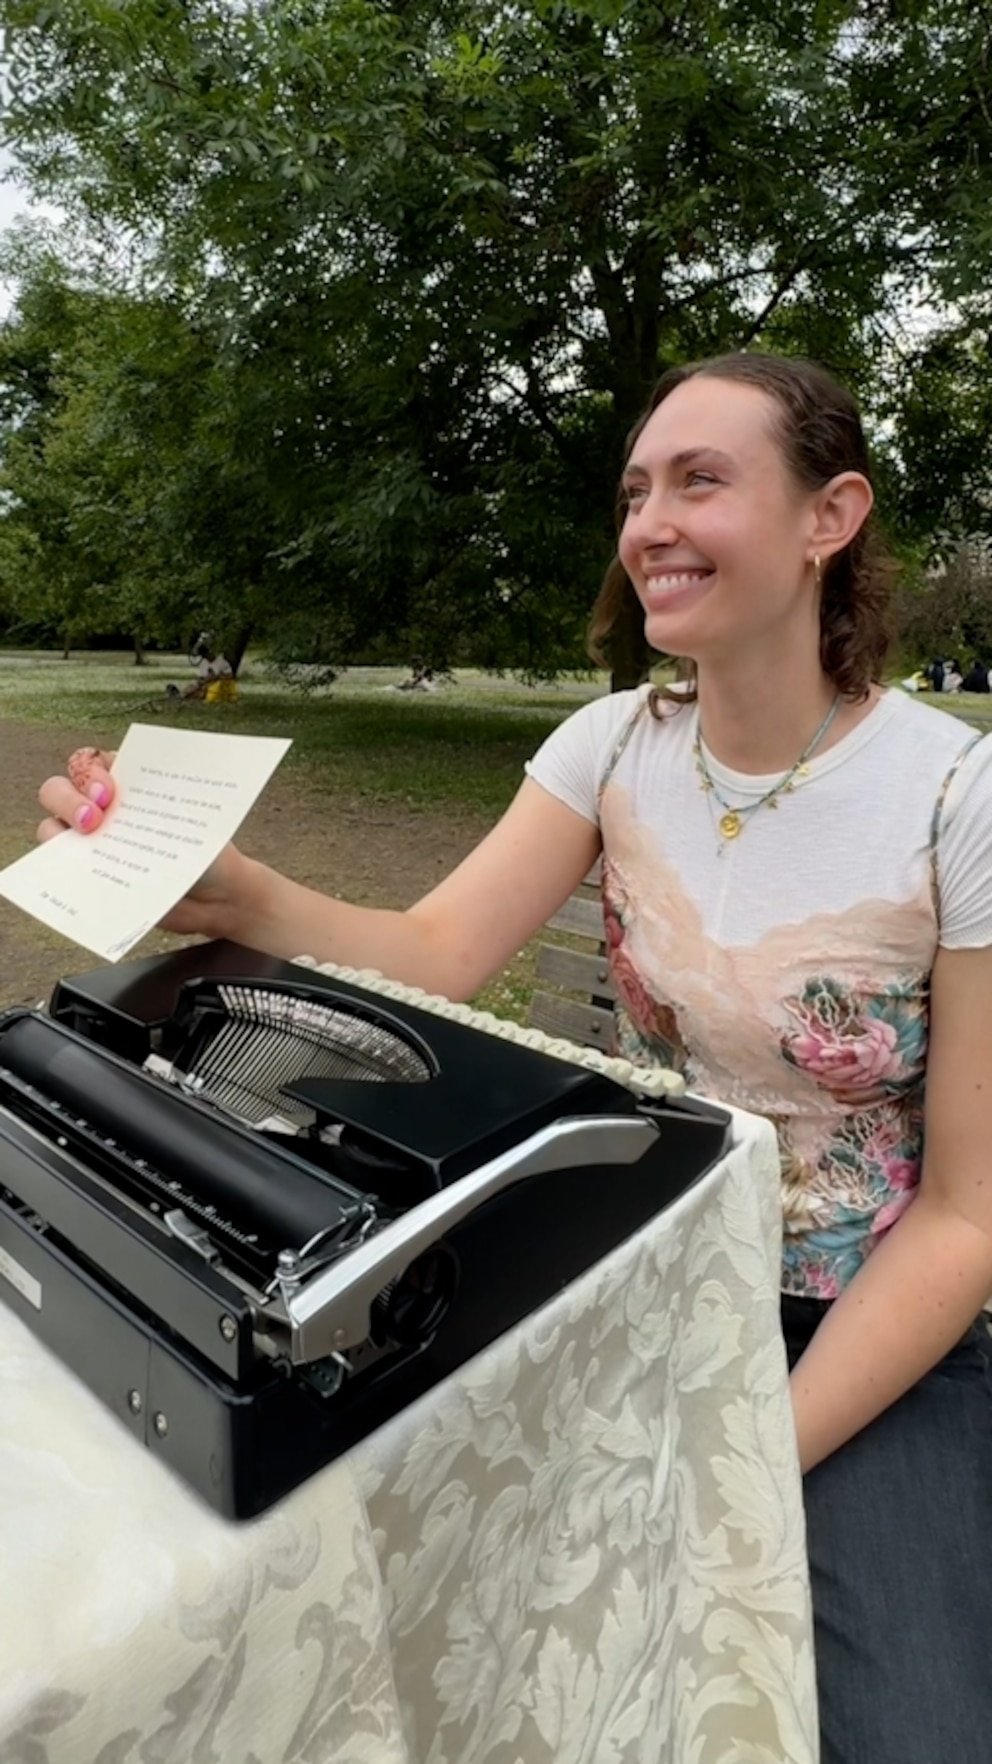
point(259, 1210)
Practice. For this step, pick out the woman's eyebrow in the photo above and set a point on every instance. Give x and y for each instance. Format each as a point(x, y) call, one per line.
point(685, 456)
point(689, 454)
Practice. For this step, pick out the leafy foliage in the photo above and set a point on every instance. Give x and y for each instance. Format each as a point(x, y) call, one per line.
point(374, 288)
point(948, 611)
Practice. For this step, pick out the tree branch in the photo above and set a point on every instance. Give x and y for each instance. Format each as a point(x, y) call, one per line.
point(535, 404)
point(775, 298)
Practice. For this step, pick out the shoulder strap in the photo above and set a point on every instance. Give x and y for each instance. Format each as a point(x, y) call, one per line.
point(626, 731)
point(937, 819)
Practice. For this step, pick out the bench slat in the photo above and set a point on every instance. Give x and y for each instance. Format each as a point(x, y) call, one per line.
point(582, 916)
point(586, 1024)
point(574, 971)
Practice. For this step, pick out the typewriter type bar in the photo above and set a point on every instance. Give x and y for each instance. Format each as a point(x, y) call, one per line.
point(260, 1212)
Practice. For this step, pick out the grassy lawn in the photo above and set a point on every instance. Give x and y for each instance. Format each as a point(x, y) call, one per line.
point(460, 749)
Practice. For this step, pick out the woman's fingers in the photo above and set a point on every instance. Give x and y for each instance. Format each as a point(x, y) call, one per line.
point(89, 771)
point(48, 828)
point(66, 806)
point(80, 799)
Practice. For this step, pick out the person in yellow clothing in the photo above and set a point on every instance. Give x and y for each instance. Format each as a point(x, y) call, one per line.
point(215, 682)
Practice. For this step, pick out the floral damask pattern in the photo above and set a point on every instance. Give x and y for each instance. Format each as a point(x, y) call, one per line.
point(585, 1548)
point(608, 1558)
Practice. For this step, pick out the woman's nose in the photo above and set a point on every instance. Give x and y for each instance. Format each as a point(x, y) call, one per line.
point(654, 524)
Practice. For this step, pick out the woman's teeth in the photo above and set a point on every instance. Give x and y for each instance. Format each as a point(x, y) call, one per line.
point(687, 579)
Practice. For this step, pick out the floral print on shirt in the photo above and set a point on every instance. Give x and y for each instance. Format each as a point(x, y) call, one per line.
point(851, 1154)
point(859, 1047)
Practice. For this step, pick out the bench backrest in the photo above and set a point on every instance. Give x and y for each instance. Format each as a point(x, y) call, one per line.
point(576, 968)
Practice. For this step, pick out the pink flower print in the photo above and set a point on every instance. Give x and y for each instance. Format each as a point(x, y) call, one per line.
point(855, 1058)
point(648, 1015)
point(886, 1216)
point(613, 930)
point(887, 1147)
point(902, 1173)
point(823, 1283)
point(645, 1012)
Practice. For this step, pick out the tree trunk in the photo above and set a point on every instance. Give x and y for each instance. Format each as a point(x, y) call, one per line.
point(630, 654)
point(140, 658)
point(236, 653)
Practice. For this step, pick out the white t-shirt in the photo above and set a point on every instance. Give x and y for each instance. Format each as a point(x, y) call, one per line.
point(217, 668)
point(788, 970)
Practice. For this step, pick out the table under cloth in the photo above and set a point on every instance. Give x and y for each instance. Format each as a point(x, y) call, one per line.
point(586, 1547)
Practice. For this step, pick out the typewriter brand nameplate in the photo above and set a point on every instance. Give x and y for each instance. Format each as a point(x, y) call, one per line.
point(19, 1277)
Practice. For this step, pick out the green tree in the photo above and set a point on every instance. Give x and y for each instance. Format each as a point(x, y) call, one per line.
point(439, 252)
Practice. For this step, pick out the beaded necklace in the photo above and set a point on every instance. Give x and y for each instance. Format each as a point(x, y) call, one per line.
point(732, 821)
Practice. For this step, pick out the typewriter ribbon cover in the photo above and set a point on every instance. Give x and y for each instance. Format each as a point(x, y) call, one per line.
point(181, 796)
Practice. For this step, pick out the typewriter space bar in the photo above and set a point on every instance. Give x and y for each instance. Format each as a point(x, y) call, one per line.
point(331, 1312)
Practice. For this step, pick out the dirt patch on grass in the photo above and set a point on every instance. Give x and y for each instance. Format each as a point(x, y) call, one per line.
point(372, 853)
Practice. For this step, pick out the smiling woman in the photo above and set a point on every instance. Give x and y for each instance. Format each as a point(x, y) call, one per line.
point(746, 494)
point(797, 882)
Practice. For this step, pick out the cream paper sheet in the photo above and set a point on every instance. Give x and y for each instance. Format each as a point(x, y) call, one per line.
point(181, 796)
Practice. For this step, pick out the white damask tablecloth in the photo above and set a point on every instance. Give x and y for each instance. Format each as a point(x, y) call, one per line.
point(585, 1548)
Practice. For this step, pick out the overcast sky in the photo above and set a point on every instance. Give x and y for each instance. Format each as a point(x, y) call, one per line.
point(14, 202)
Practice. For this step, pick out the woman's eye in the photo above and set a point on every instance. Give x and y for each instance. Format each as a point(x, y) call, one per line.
point(701, 478)
point(633, 494)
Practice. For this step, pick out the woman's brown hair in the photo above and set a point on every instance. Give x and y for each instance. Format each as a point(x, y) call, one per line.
point(818, 427)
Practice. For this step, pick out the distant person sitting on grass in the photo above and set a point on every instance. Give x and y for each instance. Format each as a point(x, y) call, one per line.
point(421, 677)
point(215, 679)
point(214, 683)
point(977, 677)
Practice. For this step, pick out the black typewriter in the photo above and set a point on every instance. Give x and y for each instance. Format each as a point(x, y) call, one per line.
point(259, 1209)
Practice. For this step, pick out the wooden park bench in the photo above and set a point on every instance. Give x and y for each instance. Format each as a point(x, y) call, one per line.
point(578, 967)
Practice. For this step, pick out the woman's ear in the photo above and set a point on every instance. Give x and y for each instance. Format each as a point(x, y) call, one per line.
point(840, 511)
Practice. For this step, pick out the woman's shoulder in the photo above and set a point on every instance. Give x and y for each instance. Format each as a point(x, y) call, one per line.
point(916, 744)
point(617, 706)
point(938, 758)
point(590, 742)
point(926, 725)
point(603, 718)
point(645, 703)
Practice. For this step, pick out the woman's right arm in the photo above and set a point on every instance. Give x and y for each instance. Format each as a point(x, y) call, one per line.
point(451, 941)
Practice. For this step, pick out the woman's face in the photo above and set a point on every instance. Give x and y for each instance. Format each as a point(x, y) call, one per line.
point(716, 538)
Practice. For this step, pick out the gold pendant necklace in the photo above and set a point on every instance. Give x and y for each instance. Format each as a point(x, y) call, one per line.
point(733, 819)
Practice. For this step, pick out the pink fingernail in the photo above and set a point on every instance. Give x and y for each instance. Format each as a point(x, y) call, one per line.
point(100, 794)
point(85, 817)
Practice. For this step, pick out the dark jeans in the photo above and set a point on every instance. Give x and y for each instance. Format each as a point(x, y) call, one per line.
point(899, 1528)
